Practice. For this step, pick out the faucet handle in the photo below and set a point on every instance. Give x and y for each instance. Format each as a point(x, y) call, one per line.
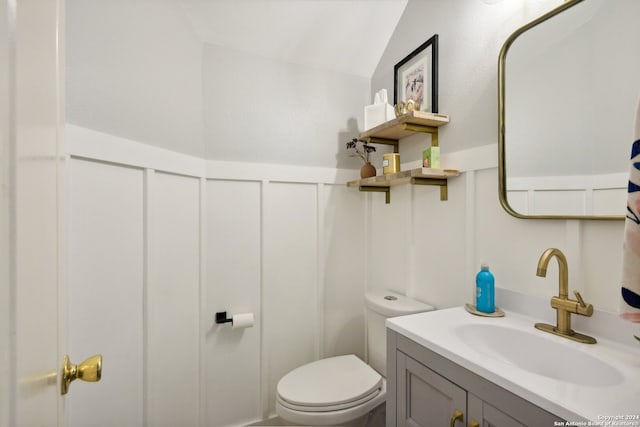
point(580, 300)
point(583, 308)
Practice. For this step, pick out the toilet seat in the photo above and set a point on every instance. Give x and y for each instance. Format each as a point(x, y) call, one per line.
point(329, 408)
point(335, 383)
point(333, 391)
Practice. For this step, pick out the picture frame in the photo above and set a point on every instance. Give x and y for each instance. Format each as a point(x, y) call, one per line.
point(416, 76)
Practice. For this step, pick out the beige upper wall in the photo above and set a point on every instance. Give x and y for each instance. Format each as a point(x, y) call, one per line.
point(268, 111)
point(471, 34)
point(272, 81)
point(134, 70)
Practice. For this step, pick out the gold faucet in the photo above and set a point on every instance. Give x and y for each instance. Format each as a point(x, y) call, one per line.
point(563, 305)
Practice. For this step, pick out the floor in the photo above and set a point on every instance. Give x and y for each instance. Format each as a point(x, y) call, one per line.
point(275, 421)
point(376, 419)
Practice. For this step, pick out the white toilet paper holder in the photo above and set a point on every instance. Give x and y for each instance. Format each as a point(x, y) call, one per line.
point(238, 320)
point(221, 317)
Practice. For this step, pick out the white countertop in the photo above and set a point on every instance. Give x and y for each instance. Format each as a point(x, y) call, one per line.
point(574, 402)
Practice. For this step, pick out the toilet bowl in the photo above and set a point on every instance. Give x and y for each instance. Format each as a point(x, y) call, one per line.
point(330, 391)
point(344, 390)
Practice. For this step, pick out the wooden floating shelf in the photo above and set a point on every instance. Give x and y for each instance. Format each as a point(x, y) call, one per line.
point(404, 177)
point(421, 176)
point(406, 125)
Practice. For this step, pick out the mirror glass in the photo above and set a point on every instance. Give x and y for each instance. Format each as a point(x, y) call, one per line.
point(569, 87)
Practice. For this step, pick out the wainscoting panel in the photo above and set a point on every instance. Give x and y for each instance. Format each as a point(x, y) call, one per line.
point(386, 245)
point(512, 246)
point(290, 289)
point(106, 291)
point(438, 253)
point(569, 195)
point(609, 201)
point(172, 295)
point(281, 242)
point(343, 271)
point(233, 284)
point(569, 202)
point(160, 241)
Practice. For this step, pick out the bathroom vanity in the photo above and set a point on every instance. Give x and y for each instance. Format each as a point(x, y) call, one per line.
point(449, 367)
point(430, 390)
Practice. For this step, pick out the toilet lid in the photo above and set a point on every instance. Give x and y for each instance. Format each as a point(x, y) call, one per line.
point(328, 382)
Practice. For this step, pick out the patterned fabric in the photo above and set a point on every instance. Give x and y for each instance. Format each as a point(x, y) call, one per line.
point(631, 255)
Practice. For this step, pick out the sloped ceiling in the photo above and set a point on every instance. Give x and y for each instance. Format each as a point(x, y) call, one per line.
point(342, 35)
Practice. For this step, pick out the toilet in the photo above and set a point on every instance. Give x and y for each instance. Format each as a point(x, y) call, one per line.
point(344, 390)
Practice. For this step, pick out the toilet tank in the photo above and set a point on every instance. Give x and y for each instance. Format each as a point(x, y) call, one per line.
point(382, 304)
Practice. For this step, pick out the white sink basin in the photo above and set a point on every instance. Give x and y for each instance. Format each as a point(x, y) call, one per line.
point(538, 354)
point(575, 381)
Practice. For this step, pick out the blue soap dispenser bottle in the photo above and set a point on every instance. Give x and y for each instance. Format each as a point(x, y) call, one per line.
point(485, 290)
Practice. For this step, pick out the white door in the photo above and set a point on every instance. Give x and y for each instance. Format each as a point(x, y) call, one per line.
point(32, 300)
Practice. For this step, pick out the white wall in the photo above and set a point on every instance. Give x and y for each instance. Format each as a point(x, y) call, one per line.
point(172, 296)
point(164, 251)
point(134, 69)
point(471, 33)
point(160, 242)
point(106, 289)
point(139, 70)
point(569, 195)
point(267, 111)
point(233, 260)
point(5, 223)
point(446, 241)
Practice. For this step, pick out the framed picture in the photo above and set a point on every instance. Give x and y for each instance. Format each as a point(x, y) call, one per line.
point(416, 76)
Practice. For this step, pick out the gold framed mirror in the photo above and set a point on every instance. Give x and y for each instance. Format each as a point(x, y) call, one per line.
point(567, 94)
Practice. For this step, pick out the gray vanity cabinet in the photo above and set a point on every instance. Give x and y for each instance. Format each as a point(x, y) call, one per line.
point(487, 415)
point(425, 389)
point(417, 385)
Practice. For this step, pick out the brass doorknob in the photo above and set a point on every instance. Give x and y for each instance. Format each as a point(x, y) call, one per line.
point(89, 370)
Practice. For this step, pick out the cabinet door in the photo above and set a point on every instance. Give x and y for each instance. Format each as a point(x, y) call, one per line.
point(425, 398)
point(488, 416)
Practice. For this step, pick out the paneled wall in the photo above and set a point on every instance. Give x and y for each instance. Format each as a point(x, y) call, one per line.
point(234, 271)
point(447, 241)
point(159, 242)
point(106, 289)
point(568, 195)
point(171, 300)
